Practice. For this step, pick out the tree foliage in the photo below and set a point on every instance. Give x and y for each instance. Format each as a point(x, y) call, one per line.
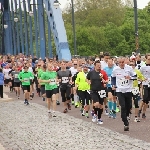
point(106, 25)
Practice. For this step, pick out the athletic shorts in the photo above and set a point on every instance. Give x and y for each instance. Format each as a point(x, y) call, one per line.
point(16, 84)
point(26, 87)
point(146, 94)
point(109, 89)
point(49, 93)
point(6, 81)
point(84, 97)
point(95, 96)
point(42, 89)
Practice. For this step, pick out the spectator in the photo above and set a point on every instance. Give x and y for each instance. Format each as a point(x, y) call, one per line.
point(1, 82)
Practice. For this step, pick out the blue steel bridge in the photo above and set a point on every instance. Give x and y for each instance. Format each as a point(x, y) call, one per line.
point(29, 27)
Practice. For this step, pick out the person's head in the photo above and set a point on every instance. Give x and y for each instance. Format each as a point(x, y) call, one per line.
point(90, 61)
point(106, 56)
point(138, 57)
point(63, 65)
point(50, 67)
point(121, 62)
point(97, 65)
point(39, 65)
point(75, 64)
point(85, 68)
point(147, 59)
point(79, 69)
point(110, 63)
point(69, 64)
point(25, 68)
point(132, 64)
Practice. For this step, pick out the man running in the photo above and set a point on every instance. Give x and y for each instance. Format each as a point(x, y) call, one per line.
point(122, 76)
point(50, 80)
point(65, 81)
point(96, 79)
point(25, 77)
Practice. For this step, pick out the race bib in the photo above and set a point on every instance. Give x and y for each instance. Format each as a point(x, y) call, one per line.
point(109, 80)
point(65, 80)
point(16, 75)
point(102, 93)
point(26, 79)
point(135, 91)
point(123, 82)
point(52, 81)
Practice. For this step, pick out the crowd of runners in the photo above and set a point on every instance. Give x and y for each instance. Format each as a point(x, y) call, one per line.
point(100, 85)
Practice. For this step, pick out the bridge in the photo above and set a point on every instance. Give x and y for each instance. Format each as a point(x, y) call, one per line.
point(33, 28)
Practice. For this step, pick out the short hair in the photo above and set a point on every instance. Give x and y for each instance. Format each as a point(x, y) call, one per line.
point(106, 54)
point(146, 56)
point(96, 62)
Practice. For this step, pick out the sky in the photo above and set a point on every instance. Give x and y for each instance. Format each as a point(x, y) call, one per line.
point(141, 3)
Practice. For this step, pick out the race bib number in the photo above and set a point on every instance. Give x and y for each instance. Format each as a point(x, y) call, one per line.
point(102, 93)
point(135, 91)
point(26, 79)
point(65, 80)
point(123, 82)
point(109, 80)
point(16, 75)
point(52, 81)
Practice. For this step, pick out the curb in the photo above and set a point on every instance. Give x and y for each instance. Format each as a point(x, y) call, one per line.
point(5, 100)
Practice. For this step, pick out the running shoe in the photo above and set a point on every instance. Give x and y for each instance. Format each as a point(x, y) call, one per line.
point(69, 106)
point(94, 118)
point(87, 115)
point(65, 111)
point(143, 116)
point(82, 114)
point(136, 120)
point(27, 103)
point(110, 114)
point(117, 109)
point(126, 128)
point(128, 118)
point(92, 113)
point(43, 99)
point(106, 112)
point(100, 121)
point(72, 102)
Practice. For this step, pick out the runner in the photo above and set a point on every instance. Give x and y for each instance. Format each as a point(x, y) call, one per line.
point(42, 85)
point(96, 78)
point(16, 80)
point(145, 70)
point(122, 79)
point(83, 89)
point(24, 77)
point(50, 80)
point(111, 94)
point(73, 90)
point(65, 81)
point(135, 90)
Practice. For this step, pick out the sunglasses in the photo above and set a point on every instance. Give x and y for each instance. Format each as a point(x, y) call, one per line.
point(132, 65)
point(121, 62)
point(75, 64)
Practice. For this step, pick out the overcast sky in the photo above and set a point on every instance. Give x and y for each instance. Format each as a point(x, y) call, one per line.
point(141, 3)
